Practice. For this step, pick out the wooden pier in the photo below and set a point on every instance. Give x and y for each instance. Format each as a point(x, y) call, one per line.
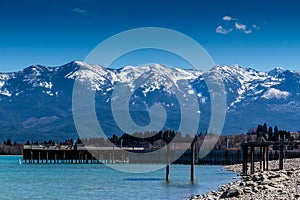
point(251, 152)
point(263, 149)
point(41, 154)
point(73, 155)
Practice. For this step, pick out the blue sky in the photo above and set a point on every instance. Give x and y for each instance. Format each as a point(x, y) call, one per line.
point(253, 33)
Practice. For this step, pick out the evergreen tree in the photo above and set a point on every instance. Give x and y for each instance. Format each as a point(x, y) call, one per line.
point(115, 138)
point(288, 135)
point(8, 142)
point(270, 134)
point(265, 128)
point(259, 131)
point(79, 141)
point(276, 134)
point(282, 135)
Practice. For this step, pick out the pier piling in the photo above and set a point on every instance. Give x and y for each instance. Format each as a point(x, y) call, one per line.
point(264, 154)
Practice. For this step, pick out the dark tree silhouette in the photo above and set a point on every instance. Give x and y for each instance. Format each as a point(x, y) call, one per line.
point(264, 131)
point(9, 142)
point(259, 130)
point(288, 135)
point(276, 134)
point(79, 141)
point(270, 134)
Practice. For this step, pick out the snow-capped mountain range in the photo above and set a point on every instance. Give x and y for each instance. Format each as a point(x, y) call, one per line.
point(36, 103)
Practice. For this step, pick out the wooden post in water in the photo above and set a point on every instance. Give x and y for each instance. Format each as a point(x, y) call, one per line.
point(39, 158)
point(267, 158)
point(260, 157)
point(72, 158)
point(252, 160)
point(245, 159)
point(193, 158)
point(168, 163)
point(79, 157)
point(31, 157)
point(281, 147)
point(264, 158)
point(55, 157)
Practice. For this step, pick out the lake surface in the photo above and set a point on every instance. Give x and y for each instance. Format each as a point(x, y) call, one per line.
point(97, 181)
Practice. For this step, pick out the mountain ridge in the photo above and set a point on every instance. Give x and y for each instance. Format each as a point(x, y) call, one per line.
point(36, 101)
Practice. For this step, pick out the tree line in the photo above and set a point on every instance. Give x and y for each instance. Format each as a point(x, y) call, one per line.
point(9, 142)
point(137, 139)
point(270, 134)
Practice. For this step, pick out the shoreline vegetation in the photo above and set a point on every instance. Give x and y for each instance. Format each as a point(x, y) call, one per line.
point(272, 184)
point(156, 140)
point(11, 149)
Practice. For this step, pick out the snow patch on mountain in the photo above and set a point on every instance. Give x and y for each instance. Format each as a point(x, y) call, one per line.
point(5, 92)
point(275, 93)
point(3, 79)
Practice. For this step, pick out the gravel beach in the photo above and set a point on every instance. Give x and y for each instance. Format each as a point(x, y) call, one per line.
point(273, 184)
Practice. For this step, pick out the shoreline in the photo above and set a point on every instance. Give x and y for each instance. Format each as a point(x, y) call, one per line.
point(272, 184)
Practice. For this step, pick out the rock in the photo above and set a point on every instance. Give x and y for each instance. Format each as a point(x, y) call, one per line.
point(210, 197)
point(289, 173)
point(259, 187)
point(283, 172)
point(297, 196)
point(249, 183)
point(234, 191)
point(247, 189)
point(267, 187)
point(255, 189)
point(264, 176)
point(284, 176)
point(276, 185)
point(256, 177)
point(274, 176)
point(284, 192)
point(265, 182)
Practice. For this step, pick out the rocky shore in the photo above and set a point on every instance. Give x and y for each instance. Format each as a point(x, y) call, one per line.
point(273, 184)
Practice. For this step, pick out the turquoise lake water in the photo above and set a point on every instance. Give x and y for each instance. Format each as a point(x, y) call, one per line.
point(97, 181)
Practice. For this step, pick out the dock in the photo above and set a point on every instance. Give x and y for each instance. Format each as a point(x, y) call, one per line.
point(260, 152)
point(40, 154)
point(250, 153)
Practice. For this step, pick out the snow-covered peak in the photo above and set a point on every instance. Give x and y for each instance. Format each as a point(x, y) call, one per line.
point(242, 82)
point(132, 72)
point(81, 63)
point(276, 71)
